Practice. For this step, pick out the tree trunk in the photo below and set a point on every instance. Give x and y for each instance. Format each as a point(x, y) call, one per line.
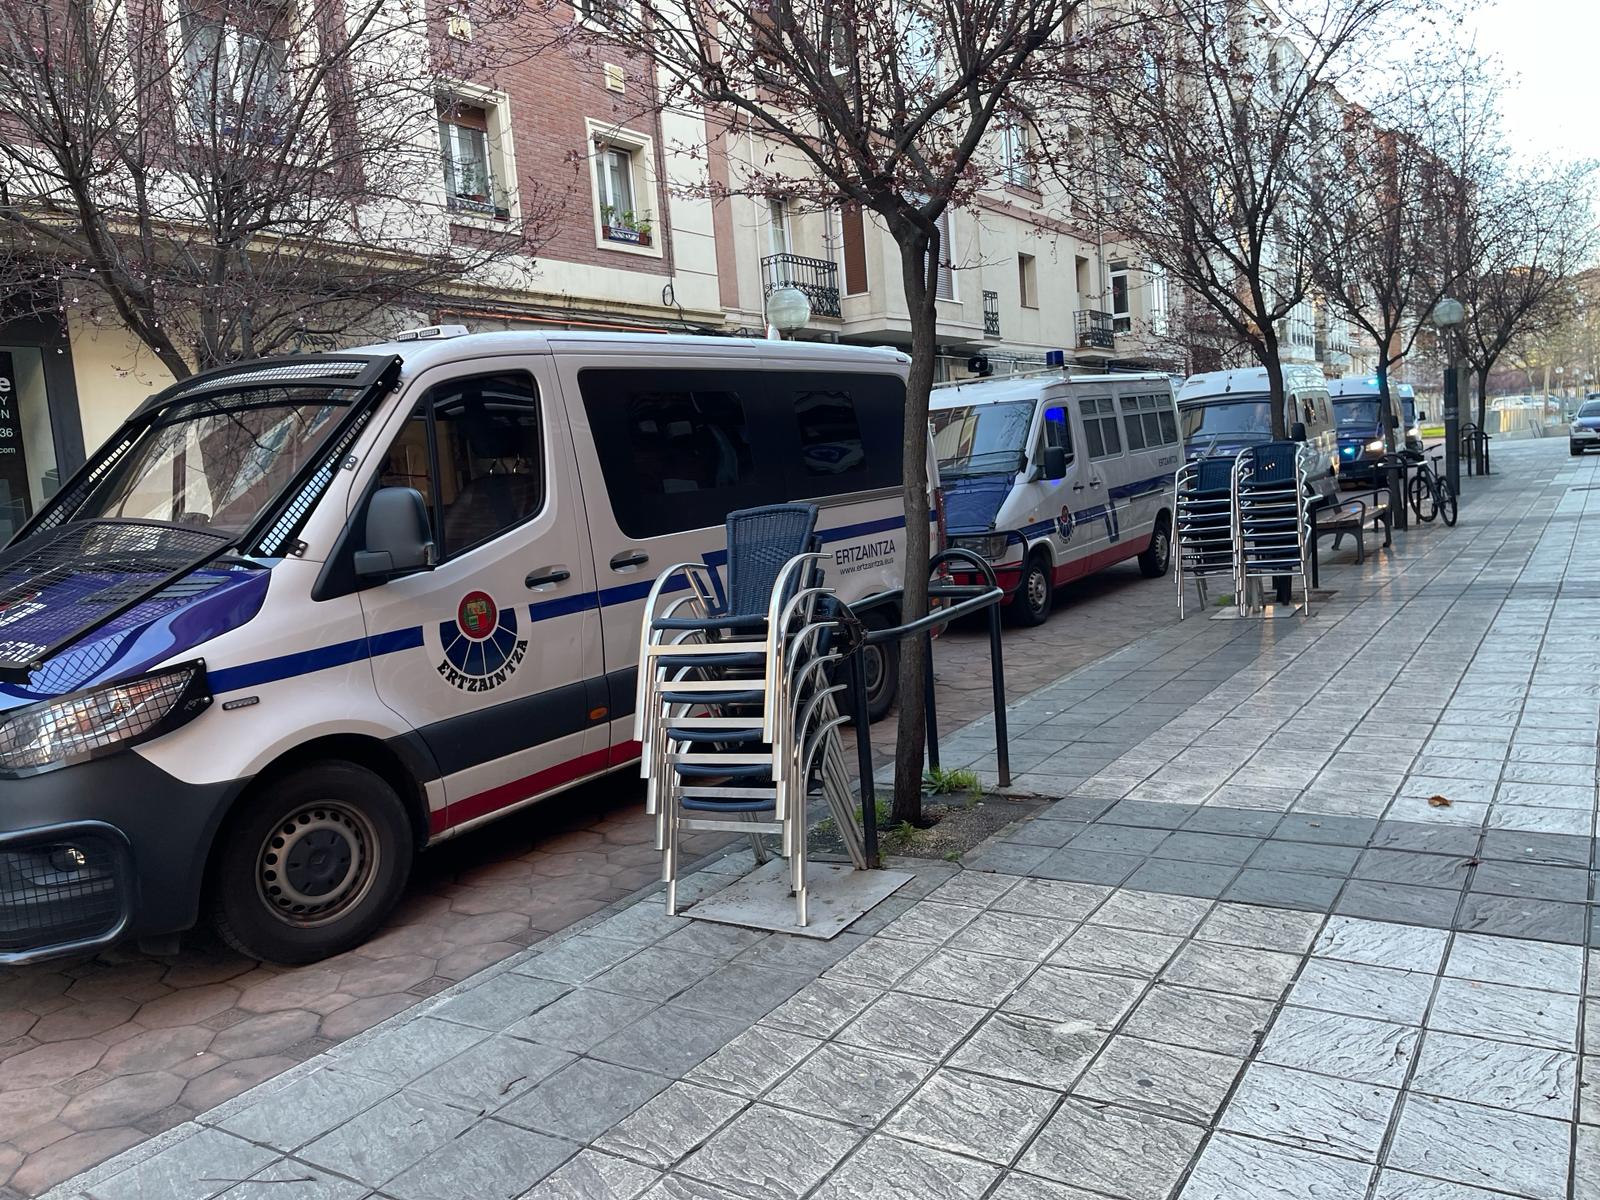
point(919, 258)
point(1274, 366)
point(1385, 407)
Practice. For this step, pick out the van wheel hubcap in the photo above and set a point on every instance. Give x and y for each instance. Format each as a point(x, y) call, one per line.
point(1038, 589)
point(1162, 549)
point(317, 864)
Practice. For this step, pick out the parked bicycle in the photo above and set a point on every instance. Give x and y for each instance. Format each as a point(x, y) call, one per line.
point(1430, 492)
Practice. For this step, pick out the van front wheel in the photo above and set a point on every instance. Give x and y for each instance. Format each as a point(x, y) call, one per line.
point(312, 865)
point(1036, 594)
point(1157, 556)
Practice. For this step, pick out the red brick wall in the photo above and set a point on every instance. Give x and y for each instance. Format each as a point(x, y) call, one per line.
point(552, 94)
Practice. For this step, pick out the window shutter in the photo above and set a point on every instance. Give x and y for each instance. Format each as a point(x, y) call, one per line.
point(945, 288)
point(853, 234)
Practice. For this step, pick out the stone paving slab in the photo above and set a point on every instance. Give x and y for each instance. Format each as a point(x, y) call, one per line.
point(1268, 968)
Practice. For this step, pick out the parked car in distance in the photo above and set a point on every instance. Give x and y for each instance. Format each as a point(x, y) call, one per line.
point(1584, 433)
point(1051, 477)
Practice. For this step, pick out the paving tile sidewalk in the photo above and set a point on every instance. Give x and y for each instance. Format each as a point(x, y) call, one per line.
point(1243, 957)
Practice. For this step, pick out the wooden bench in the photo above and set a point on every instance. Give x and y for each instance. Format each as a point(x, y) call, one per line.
point(1339, 517)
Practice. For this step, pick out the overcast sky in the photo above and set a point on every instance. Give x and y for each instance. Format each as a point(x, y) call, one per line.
point(1552, 50)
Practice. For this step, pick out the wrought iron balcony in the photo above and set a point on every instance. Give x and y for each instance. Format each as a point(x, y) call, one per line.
point(1096, 330)
point(991, 314)
point(816, 277)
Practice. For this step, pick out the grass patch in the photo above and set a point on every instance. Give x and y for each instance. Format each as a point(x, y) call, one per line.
point(948, 783)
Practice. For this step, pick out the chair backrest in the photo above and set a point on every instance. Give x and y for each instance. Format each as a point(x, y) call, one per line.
point(760, 541)
point(1273, 462)
point(1212, 475)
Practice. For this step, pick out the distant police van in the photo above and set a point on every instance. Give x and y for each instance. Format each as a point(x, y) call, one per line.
point(1356, 409)
point(1225, 411)
point(1051, 478)
point(301, 617)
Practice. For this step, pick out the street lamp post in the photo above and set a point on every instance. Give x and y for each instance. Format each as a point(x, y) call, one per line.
point(1447, 315)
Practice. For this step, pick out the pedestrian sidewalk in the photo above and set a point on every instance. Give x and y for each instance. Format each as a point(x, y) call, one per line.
point(1245, 955)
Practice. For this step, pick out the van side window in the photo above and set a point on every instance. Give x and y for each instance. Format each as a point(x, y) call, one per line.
point(1056, 430)
point(1100, 426)
point(1142, 418)
point(473, 449)
point(830, 436)
point(688, 441)
point(681, 448)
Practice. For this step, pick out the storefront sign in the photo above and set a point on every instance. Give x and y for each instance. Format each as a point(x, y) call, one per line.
point(14, 501)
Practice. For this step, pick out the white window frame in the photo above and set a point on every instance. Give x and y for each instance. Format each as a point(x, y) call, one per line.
point(502, 153)
point(582, 16)
point(1028, 279)
point(1016, 150)
point(1121, 321)
point(642, 148)
point(1160, 293)
point(229, 54)
point(780, 229)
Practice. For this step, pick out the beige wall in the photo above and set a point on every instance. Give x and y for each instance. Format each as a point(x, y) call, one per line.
point(114, 373)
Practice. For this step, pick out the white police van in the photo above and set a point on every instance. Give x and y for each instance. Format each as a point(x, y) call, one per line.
point(300, 617)
point(1223, 412)
point(1051, 477)
point(1357, 403)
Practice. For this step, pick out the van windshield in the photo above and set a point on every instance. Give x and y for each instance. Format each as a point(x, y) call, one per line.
point(1356, 414)
point(978, 439)
point(220, 461)
point(1230, 420)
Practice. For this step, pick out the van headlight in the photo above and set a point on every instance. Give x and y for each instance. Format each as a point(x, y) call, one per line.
point(1375, 446)
point(87, 724)
point(991, 546)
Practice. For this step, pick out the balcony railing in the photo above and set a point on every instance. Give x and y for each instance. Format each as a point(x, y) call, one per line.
point(1096, 330)
point(991, 314)
point(816, 277)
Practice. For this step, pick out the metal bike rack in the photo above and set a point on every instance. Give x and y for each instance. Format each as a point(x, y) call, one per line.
point(958, 600)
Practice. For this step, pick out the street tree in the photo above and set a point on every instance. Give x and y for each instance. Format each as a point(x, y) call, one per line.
point(228, 179)
point(1383, 208)
point(889, 107)
point(1209, 122)
point(1528, 229)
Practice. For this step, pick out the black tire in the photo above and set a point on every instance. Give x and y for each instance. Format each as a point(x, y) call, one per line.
point(1422, 501)
point(311, 863)
point(882, 665)
point(1447, 502)
point(1036, 594)
point(1575, 450)
point(1156, 558)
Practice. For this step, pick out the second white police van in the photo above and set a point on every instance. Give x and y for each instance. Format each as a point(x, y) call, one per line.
point(1224, 412)
point(301, 617)
point(1051, 477)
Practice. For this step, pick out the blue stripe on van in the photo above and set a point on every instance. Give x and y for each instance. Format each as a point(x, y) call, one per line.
point(342, 654)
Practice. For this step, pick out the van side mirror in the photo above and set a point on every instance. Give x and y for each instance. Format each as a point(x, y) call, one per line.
point(399, 539)
point(1055, 462)
point(1297, 432)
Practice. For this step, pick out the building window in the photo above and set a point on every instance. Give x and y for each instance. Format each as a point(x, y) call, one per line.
point(1160, 300)
point(1028, 280)
point(624, 183)
point(1121, 312)
point(469, 176)
point(1016, 150)
point(607, 14)
point(237, 79)
point(777, 225)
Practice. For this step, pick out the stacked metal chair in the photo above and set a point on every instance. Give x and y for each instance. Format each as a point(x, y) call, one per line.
point(735, 705)
point(1272, 528)
point(1203, 502)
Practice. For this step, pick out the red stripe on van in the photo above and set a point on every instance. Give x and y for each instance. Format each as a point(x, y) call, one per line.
point(505, 794)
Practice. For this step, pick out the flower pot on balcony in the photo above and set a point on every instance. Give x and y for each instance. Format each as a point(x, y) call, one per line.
point(622, 233)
